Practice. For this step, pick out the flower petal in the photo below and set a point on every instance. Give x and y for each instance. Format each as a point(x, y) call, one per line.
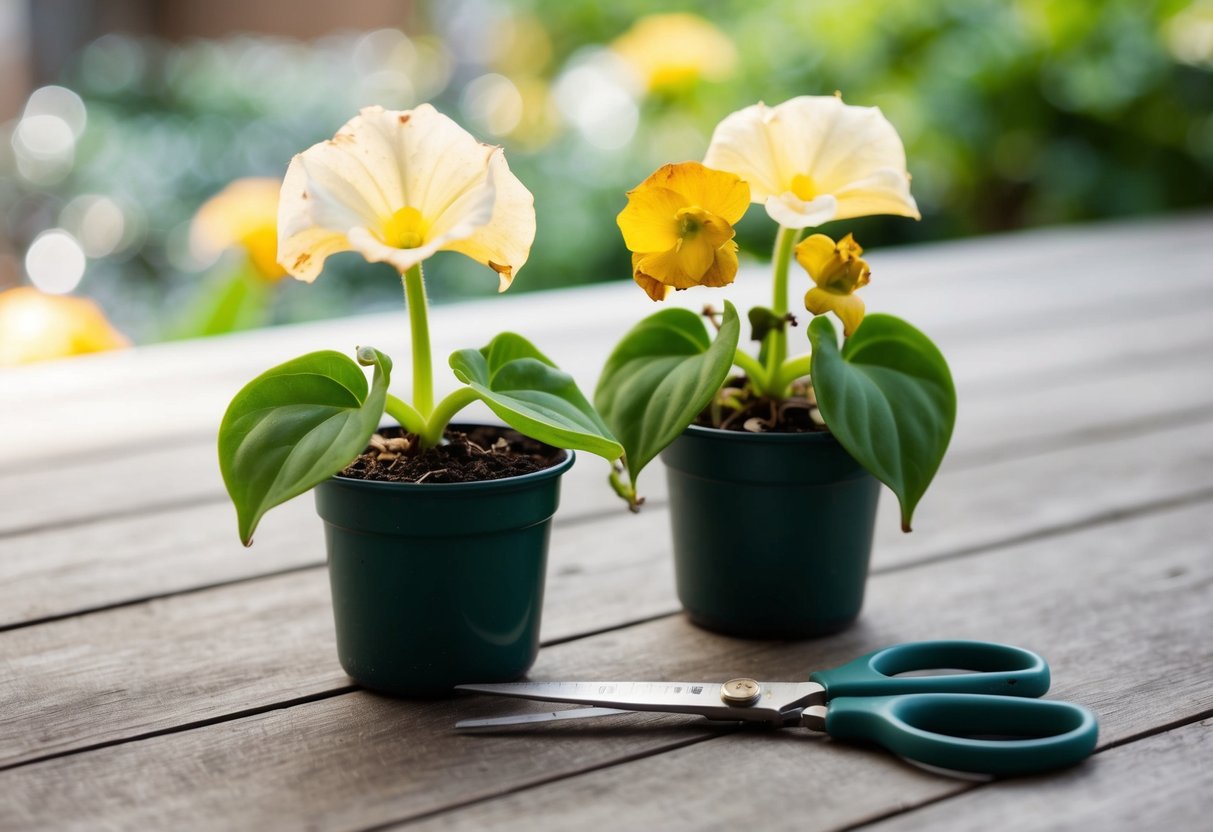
point(504, 242)
point(886, 191)
point(648, 220)
point(720, 192)
point(819, 257)
point(848, 308)
point(791, 211)
point(740, 145)
point(653, 287)
point(302, 245)
point(724, 268)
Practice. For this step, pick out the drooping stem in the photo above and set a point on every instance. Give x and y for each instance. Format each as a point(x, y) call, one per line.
point(777, 340)
point(443, 413)
point(419, 330)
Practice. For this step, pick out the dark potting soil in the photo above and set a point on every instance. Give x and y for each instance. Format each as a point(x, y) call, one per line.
point(762, 415)
point(480, 453)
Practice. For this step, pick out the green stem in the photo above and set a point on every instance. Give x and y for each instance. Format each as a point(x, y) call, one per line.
point(626, 490)
point(419, 329)
point(442, 415)
point(405, 414)
point(777, 341)
point(791, 370)
point(753, 369)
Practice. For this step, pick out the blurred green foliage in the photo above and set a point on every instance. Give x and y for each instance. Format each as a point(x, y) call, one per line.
point(1013, 114)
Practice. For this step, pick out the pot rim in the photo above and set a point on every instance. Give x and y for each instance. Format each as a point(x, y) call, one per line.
point(519, 480)
point(773, 437)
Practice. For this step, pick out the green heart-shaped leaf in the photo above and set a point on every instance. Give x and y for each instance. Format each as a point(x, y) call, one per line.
point(888, 397)
point(660, 377)
point(530, 394)
point(296, 425)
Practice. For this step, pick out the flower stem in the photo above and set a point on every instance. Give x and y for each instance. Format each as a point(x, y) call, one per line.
point(754, 370)
point(445, 411)
point(403, 412)
point(777, 341)
point(419, 328)
point(791, 370)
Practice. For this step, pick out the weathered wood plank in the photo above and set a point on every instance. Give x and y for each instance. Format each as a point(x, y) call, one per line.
point(1160, 782)
point(1133, 650)
point(52, 574)
point(990, 370)
point(1055, 275)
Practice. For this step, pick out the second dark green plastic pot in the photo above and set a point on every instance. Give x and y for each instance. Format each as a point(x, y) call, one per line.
point(772, 532)
point(436, 585)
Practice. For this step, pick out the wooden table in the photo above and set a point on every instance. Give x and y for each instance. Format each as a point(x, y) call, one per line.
point(155, 675)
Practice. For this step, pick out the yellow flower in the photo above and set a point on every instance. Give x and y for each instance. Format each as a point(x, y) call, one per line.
point(37, 327)
point(668, 51)
point(838, 271)
point(813, 159)
point(678, 224)
point(244, 214)
point(398, 186)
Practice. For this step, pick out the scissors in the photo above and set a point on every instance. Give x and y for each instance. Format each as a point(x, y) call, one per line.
point(984, 720)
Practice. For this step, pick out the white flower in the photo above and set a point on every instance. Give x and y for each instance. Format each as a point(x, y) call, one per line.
point(813, 159)
point(397, 186)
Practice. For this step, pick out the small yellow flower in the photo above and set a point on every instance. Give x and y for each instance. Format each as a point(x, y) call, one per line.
point(678, 224)
point(37, 327)
point(669, 51)
point(398, 186)
point(244, 214)
point(838, 270)
point(813, 159)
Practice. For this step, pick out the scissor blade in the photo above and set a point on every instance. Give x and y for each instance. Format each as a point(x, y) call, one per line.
point(542, 716)
point(702, 698)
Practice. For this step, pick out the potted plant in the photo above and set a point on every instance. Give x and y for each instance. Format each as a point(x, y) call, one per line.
point(774, 473)
point(436, 537)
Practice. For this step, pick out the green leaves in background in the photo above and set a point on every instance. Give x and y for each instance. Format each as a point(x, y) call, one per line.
point(660, 377)
point(296, 425)
point(888, 398)
point(530, 394)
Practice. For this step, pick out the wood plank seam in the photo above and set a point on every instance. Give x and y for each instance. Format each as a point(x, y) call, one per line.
point(972, 787)
point(525, 787)
point(191, 726)
point(1108, 517)
point(1078, 524)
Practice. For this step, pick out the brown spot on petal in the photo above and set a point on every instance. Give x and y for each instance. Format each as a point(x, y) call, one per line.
point(301, 260)
point(403, 118)
point(303, 195)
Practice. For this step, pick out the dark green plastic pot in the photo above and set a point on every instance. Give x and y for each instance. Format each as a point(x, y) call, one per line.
point(435, 585)
point(772, 531)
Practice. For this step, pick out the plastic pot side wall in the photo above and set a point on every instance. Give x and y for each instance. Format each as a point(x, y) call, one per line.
point(436, 585)
point(772, 532)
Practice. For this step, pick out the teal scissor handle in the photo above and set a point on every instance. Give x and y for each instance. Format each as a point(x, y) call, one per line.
point(951, 730)
point(1001, 669)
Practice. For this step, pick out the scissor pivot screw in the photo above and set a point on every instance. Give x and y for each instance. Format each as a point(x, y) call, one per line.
point(740, 691)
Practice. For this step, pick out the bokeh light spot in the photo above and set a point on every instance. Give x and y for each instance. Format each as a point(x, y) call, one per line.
point(55, 262)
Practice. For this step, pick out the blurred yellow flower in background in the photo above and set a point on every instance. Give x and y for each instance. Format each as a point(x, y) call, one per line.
point(398, 186)
point(813, 159)
point(245, 215)
point(38, 327)
point(838, 271)
point(678, 224)
point(668, 51)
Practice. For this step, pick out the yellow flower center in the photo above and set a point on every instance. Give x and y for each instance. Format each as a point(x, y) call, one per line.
point(690, 221)
point(804, 187)
point(405, 229)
